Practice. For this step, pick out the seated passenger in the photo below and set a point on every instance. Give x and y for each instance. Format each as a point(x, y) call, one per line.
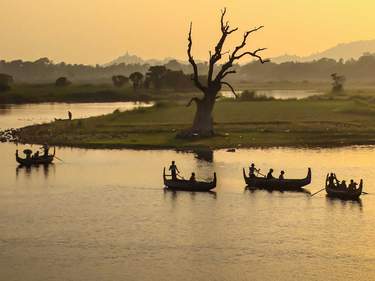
point(192, 177)
point(352, 185)
point(269, 175)
point(343, 185)
point(281, 177)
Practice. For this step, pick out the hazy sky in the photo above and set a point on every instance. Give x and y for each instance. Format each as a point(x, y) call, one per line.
point(96, 31)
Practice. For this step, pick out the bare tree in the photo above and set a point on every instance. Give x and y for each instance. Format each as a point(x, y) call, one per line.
point(203, 121)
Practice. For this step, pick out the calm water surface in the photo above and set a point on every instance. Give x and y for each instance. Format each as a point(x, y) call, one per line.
point(103, 215)
point(281, 94)
point(19, 115)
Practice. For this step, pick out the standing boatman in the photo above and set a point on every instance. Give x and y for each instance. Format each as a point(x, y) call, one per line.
point(174, 170)
point(252, 170)
point(70, 115)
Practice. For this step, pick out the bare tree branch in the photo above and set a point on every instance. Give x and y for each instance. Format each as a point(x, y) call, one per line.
point(234, 56)
point(255, 55)
point(225, 31)
point(231, 87)
point(227, 73)
point(196, 100)
point(195, 75)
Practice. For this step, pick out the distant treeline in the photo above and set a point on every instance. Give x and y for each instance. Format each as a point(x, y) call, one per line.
point(45, 71)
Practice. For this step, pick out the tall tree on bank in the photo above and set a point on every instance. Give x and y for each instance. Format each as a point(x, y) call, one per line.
point(203, 121)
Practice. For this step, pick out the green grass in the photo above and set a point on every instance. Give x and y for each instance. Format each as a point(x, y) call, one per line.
point(237, 124)
point(38, 93)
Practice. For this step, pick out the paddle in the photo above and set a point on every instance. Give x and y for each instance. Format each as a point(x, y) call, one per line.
point(259, 173)
point(318, 192)
point(181, 177)
point(59, 159)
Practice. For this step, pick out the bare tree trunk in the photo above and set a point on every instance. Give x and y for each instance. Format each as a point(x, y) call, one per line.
point(203, 120)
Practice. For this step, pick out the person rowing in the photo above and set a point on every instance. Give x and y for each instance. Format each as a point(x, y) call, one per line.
point(352, 186)
point(333, 182)
point(252, 170)
point(174, 170)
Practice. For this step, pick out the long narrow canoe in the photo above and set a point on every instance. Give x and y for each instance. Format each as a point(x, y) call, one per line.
point(40, 160)
point(276, 184)
point(344, 194)
point(187, 185)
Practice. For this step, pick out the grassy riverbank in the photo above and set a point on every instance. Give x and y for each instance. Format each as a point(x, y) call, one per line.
point(238, 124)
point(78, 93)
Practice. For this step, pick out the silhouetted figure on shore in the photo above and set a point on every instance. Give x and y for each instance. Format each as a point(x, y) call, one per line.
point(269, 175)
point(70, 115)
point(174, 170)
point(281, 177)
point(192, 177)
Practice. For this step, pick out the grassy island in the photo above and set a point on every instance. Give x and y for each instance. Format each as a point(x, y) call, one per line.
point(311, 122)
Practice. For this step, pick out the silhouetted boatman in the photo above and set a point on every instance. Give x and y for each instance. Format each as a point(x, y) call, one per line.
point(352, 185)
point(252, 170)
point(269, 175)
point(174, 170)
point(70, 115)
point(192, 177)
point(331, 180)
point(281, 177)
point(45, 148)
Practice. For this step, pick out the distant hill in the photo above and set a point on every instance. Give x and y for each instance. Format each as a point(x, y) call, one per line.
point(346, 51)
point(133, 59)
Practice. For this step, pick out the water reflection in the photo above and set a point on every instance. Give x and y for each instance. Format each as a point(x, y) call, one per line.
point(29, 170)
point(100, 195)
point(204, 154)
point(351, 204)
point(4, 109)
point(174, 193)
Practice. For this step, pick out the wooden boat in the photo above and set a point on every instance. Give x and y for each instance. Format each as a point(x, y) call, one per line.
point(187, 185)
point(344, 194)
point(276, 184)
point(40, 160)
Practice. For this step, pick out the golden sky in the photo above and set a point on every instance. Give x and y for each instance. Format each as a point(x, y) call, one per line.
point(97, 31)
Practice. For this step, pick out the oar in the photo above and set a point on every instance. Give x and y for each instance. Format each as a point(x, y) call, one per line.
point(318, 192)
point(259, 173)
point(180, 176)
point(59, 159)
point(365, 193)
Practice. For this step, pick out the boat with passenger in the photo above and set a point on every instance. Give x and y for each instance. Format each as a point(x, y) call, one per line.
point(277, 184)
point(188, 185)
point(337, 189)
point(36, 159)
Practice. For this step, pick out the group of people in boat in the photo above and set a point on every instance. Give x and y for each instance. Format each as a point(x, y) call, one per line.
point(175, 172)
point(30, 155)
point(334, 183)
point(253, 170)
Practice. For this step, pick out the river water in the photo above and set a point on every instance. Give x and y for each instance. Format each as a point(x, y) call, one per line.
point(103, 215)
point(280, 94)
